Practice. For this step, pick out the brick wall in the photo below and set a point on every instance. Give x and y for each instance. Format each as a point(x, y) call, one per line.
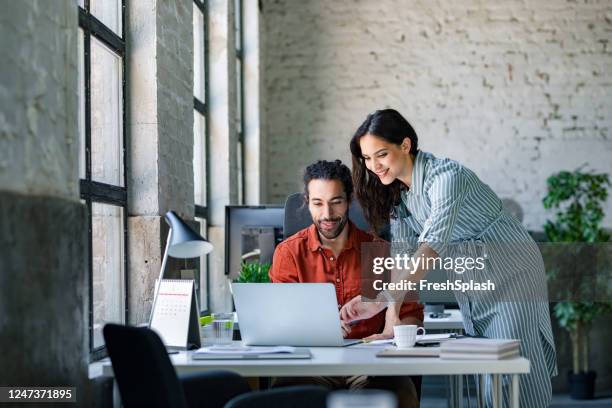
point(160, 81)
point(514, 90)
point(175, 105)
point(161, 137)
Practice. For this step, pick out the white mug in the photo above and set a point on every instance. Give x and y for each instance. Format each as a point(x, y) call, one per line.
point(405, 335)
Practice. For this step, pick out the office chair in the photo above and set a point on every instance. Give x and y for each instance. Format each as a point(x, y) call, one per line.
point(301, 396)
point(146, 377)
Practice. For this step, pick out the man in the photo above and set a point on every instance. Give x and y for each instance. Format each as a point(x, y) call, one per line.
point(330, 251)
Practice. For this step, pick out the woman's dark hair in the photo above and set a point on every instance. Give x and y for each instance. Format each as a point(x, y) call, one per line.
point(376, 199)
point(328, 170)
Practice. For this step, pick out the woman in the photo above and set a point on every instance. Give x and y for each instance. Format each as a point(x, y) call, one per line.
point(446, 210)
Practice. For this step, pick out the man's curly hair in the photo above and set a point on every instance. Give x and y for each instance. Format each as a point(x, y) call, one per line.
point(329, 170)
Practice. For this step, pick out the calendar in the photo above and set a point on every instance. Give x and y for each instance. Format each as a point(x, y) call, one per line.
point(175, 317)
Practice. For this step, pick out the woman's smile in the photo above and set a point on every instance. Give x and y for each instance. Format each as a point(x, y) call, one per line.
point(382, 173)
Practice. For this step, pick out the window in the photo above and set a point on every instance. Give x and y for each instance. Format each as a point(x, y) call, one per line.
point(102, 161)
point(238, 32)
point(200, 133)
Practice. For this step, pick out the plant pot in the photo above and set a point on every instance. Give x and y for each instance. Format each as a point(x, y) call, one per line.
point(582, 385)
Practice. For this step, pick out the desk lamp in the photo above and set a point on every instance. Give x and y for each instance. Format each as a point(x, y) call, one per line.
point(182, 242)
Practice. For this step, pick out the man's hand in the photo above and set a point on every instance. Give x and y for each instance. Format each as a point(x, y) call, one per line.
point(356, 309)
point(346, 329)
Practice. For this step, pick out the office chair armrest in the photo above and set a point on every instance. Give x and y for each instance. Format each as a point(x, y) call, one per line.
point(213, 389)
point(297, 396)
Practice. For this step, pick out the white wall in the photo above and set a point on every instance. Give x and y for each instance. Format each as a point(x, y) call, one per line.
point(514, 90)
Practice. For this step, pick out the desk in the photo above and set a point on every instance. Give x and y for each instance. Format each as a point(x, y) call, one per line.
point(356, 360)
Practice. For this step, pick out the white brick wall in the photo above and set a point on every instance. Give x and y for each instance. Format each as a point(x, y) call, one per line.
point(175, 105)
point(514, 90)
point(38, 98)
point(161, 136)
point(161, 107)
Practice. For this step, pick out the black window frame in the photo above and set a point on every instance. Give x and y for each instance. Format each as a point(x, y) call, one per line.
point(201, 211)
point(239, 31)
point(94, 191)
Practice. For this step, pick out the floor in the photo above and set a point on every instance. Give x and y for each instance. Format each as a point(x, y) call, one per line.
point(559, 401)
point(434, 391)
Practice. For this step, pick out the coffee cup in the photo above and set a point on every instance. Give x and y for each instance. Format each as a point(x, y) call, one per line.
point(405, 335)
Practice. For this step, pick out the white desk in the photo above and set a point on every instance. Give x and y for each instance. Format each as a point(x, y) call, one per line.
point(356, 360)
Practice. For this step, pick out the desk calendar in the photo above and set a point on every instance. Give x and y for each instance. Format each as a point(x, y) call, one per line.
point(175, 317)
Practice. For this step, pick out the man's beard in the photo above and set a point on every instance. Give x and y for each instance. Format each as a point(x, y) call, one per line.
point(332, 234)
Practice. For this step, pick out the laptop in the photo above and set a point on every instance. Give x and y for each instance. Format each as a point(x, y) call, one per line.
point(288, 314)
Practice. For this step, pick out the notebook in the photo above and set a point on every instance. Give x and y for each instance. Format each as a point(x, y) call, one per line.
point(410, 352)
point(480, 348)
point(250, 353)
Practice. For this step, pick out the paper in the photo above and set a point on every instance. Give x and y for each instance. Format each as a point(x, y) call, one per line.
point(372, 344)
point(410, 352)
point(244, 350)
point(435, 337)
point(378, 342)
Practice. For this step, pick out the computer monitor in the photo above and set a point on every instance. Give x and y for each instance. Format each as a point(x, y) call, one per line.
point(251, 234)
point(438, 297)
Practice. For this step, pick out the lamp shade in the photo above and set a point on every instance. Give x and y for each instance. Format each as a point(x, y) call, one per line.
point(185, 242)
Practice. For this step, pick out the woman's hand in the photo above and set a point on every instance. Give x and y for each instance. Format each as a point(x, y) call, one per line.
point(356, 309)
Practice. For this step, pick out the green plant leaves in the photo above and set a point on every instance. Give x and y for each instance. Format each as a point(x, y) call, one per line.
point(578, 197)
point(253, 272)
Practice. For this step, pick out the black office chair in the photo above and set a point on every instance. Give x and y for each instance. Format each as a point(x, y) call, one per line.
point(146, 377)
point(301, 396)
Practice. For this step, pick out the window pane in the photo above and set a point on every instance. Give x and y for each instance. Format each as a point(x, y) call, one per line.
point(108, 267)
point(108, 12)
point(106, 115)
point(238, 23)
point(239, 95)
point(239, 155)
point(82, 3)
point(203, 268)
point(81, 104)
point(199, 158)
point(198, 53)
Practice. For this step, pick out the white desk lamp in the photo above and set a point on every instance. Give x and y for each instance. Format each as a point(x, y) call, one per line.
point(182, 242)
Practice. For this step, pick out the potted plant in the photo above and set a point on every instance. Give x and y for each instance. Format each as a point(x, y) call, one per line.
point(577, 198)
point(253, 272)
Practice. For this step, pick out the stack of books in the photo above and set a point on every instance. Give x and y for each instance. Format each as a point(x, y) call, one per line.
point(479, 349)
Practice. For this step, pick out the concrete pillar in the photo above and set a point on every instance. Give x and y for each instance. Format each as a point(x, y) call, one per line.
point(223, 137)
point(43, 251)
point(160, 121)
point(254, 145)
